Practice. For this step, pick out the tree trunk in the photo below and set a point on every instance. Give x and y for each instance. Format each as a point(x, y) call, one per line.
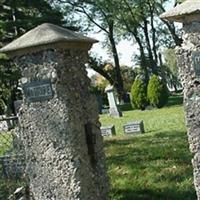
point(152, 63)
point(143, 61)
point(118, 81)
point(151, 8)
point(178, 41)
point(161, 68)
point(175, 87)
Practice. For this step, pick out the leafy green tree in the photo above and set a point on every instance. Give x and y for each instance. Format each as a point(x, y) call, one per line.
point(98, 85)
point(101, 14)
point(157, 92)
point(136, 20)
point(17, 17)
point(100, 66)
point(9, 75)
point(139, 94)
point(139, 21)
point(172, 75)
point(128, 75)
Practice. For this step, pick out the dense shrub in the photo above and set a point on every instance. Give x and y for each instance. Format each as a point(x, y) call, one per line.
point(139, 94)
point(157, 92)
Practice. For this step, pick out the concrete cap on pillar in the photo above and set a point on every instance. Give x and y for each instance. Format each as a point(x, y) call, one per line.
point(47, 36)
point(187, 11)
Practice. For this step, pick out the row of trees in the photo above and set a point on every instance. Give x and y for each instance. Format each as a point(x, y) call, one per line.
point(17, 17)
point(135, 20)
point(155, 94)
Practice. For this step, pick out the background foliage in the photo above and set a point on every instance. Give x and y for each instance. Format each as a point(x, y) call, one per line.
point(139, 94)
point(157, 92)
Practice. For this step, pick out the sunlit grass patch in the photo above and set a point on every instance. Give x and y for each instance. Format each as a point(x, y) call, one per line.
point(5, 142)
point(151, 166)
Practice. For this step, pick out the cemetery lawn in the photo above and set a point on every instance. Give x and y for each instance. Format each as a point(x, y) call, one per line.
point(152, 166)
point(5, 142)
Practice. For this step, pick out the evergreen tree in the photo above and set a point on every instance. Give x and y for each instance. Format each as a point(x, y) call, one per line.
point(16, 18)
point(139, 94)
point(157, 92)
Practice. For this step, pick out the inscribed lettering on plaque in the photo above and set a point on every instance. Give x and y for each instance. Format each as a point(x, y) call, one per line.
point(38, 91)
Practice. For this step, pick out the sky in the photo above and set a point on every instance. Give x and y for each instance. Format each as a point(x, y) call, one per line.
point(126, 49)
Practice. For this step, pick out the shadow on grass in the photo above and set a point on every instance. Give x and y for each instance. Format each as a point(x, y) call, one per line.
point(175, 100)
point(8, 187)
point(162, 160)
point(125, 107)
point(168, 194)
point(141, 150)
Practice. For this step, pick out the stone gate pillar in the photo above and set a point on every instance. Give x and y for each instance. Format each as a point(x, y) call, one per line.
point(188, 57)
point(59, 118)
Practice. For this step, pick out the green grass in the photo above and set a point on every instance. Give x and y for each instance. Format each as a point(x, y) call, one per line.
point(7, 186)
point(5, 142)
point(165, 119)
point(152, 166)
point(175, 99)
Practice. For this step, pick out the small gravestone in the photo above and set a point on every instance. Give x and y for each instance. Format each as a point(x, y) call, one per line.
point(105, 111)
point(134, 127)
point(113, 110)
point(108, 130)
point(188, 59)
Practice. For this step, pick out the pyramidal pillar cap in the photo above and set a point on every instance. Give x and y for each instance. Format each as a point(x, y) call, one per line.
point(187, 11)
point(47, 36)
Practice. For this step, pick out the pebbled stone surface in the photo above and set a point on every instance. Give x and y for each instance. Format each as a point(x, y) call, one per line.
point(62, 138)
point(191, 83)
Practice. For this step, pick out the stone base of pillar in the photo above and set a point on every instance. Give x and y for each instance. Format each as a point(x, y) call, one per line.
point(196, 173)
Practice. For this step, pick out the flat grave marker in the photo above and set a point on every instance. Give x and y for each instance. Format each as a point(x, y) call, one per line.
point(108, 130)
point(134, 127)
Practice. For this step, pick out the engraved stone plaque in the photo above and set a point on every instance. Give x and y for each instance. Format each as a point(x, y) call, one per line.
point(108, 130)
point(196, 61)
point(38, 91)
point(134, 127)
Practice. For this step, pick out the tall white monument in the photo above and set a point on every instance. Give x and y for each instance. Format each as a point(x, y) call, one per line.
point(113, 109)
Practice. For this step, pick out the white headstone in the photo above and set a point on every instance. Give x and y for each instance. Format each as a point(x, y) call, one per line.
point(114, 111)
point(108, 130)
point(134, 127)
